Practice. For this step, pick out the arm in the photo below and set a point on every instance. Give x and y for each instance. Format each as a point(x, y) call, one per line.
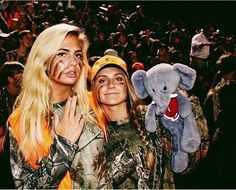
point(199, 42)
point(52, 168)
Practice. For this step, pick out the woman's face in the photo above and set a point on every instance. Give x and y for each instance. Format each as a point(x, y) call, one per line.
point(27, 40)
point(110, 86)
point(66, 66)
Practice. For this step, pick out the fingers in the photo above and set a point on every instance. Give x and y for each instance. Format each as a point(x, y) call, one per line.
point(72, 110)
point(72, 122)
point(80, 120)
point(70, 107)
point(67, 107)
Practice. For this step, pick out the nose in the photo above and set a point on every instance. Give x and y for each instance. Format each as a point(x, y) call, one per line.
point(111, 84)
point(72, 61)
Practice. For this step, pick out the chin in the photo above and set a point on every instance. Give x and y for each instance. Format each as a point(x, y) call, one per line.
point(113, 102)
point(71, 82)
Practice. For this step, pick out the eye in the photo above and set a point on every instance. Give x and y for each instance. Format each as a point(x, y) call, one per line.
point(165, 88)
point(119, 79)
point(61, 54)
point(153, 90)
point(101, 81)
point(79, 56)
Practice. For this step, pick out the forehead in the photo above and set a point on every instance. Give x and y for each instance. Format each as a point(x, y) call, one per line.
point(71, 40)
point(28, 35)
point(110, 71)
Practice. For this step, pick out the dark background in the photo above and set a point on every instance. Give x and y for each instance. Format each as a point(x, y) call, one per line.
point(193, 13)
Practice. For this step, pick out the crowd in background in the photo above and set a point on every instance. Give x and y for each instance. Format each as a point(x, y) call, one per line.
point(143, 43)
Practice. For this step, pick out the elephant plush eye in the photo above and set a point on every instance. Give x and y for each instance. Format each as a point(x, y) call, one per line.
point(165, 88)
point(153, 90)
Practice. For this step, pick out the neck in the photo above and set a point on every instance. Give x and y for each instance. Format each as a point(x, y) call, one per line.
point(116, 113)
point(59, 95)
point(22, 50)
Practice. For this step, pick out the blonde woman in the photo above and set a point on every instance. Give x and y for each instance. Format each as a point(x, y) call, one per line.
point(54, 139)
point(137, 160)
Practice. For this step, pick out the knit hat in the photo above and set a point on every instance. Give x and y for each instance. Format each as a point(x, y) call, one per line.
point(108, 61)
point(138, 66)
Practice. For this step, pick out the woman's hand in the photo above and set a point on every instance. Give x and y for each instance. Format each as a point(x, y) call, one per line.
point(71, 124)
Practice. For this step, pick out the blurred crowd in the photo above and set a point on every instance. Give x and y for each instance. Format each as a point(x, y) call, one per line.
point(142, 42)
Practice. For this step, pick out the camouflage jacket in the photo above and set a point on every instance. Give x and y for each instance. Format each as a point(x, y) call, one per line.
point(84, 160)
point(126, 157)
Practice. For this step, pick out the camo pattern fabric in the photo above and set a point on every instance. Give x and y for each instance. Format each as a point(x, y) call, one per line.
point(126, 156)
point(84, 159)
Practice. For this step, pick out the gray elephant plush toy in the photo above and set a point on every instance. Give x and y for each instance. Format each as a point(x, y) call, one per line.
point(162, 83)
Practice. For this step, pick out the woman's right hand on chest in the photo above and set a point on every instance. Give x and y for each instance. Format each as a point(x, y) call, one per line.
point(71, 124)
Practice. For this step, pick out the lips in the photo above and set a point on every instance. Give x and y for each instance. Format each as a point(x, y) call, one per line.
point(71, 74)
point(112, 93)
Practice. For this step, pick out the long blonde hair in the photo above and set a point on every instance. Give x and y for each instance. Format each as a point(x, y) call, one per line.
point(34, 100)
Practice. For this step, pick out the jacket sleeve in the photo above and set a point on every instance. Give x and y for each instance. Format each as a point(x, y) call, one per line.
point(52, 168)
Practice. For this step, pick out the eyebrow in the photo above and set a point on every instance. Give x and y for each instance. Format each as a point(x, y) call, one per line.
point(63, 49)
point(106, 75)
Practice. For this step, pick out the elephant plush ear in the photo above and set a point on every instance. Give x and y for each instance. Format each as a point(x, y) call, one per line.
point(187, 76)
point(137, 79)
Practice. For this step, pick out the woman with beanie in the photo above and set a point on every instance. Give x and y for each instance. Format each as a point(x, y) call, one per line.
point(137, 160)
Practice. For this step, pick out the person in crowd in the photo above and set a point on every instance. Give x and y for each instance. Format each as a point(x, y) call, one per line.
point(55, 141)
point(3, 52)
point(225, 75)
point(137, 160)
point(10, 82)
point(143, 49)
point(137, 20)
point(130, 59)
point(25, 22)
point(25, 41)
point(99, 45)
point(131, 44)
point(3, 23)
point(200, 49)
point(226, 141)
point(14, 25)
point(11, 11)
point(161, 55)
point(200, 168)
point(223, 102)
